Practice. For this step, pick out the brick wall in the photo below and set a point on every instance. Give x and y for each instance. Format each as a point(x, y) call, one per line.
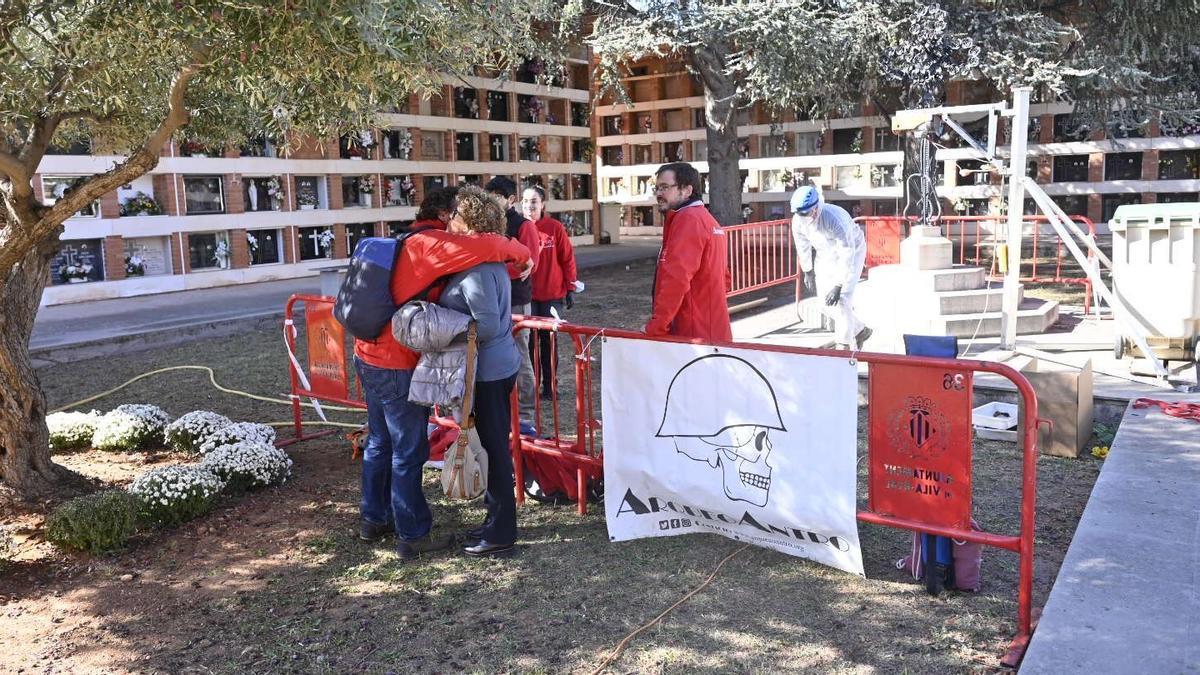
point(1045, 172)
point(1095, 207)
point(164, 192)
point(1150, 165)
point(289, 244)
point(110, 206)
point(334, 185)
point(235, 193)
point(339, 240)
point(239, 249)
point(1096, 167)
point(1046, 134)
point(179, 253)
point(114, 258)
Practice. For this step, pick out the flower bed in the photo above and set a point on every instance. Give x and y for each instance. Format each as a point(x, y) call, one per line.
point(175, 494)
point(72, 430)
point(238, 432)
point(248, 465)
point(187, 433)
point(130, 427)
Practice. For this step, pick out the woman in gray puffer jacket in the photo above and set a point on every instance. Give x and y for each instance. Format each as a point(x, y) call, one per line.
point(484, 292)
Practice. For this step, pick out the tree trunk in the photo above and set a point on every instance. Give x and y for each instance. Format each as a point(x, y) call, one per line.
point(25, 464)
point(720, 108)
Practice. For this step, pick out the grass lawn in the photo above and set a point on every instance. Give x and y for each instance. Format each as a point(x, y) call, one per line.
point(278, 582)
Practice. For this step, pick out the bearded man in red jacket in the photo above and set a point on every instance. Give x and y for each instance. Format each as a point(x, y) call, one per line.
point(692, 276)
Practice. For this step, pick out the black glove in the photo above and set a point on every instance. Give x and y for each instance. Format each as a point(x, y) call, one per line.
point(810, 284)
point(569, 301)
point(834, 296)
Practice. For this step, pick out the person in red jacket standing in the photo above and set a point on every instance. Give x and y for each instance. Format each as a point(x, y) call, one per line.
point(523, 230)
point(554, 275)
point(692, 275)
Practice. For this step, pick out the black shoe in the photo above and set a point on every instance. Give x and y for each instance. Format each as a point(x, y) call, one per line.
point(411, 549)
point(484, 550)
point(368, 531)
point(862, 337)
point(474, 534)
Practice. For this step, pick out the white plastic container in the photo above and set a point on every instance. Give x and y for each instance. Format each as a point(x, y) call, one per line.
point(1156, 275)
point(994, 415)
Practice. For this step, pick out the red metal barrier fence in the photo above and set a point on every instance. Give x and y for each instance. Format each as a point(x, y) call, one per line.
point(762, 255)
point(900, 386)
point(977, 239)
point(906, 392)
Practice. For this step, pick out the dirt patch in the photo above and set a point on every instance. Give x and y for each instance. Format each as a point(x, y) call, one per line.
point(277, 581)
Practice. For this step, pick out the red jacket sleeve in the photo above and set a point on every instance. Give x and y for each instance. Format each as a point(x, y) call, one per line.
point(428, 256)
point(566, 259)
point(680, 260)
point(527, 235)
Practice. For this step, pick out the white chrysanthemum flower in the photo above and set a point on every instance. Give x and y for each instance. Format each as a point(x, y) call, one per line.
point(72, 430)
point(248, 464)
point(174, 494)
point(189, 432)
point(239, 432)
point(130, 427)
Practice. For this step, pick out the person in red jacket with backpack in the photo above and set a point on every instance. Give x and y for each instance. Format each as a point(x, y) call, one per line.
point(397, 444)
point(554, 275)
point(692, 277)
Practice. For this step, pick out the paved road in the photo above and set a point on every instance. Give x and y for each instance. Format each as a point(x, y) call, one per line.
point(123, 319)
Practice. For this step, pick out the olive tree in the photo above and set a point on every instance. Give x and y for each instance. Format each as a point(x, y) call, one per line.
point(821, 58)
point(133, 75)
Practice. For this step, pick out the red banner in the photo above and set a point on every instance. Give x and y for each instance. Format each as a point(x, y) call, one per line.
point(920, 444)
point(883, 240)
point(326, 352)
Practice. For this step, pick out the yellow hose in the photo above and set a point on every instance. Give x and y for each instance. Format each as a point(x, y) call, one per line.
point(213, 379)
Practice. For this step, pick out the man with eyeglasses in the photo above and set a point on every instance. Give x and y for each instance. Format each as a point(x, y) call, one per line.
point(692, 274)
point(830, 232)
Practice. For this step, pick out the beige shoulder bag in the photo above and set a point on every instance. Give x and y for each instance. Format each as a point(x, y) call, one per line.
point(465, 468)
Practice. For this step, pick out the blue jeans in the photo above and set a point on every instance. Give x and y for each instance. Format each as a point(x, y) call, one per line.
point(396, 452)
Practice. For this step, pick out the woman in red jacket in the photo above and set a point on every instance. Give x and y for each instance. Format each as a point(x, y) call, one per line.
point(554, 275)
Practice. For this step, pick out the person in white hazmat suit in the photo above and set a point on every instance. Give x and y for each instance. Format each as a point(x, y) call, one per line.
point(830, 232)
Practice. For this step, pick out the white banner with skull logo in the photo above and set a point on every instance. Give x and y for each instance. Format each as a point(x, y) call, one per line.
point(753, 445)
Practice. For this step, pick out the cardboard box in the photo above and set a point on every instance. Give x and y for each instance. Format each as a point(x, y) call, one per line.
point(1064, 397)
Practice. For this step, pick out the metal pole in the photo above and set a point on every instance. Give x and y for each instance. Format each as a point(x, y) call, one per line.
point(1019, 132)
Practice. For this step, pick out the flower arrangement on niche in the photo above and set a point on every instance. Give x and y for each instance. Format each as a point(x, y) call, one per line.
point(468, 102)
point(325, 241)
point(533, 108)
point(251, 242)
point(404, 145)
point(365, 184)
point(221, 253)
point(400, 191)
point(192, 149)
point(556, 188)
point(141, 204)
point(529, 149)
point(134, 265)
point(74, 274)
point(275, 191)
